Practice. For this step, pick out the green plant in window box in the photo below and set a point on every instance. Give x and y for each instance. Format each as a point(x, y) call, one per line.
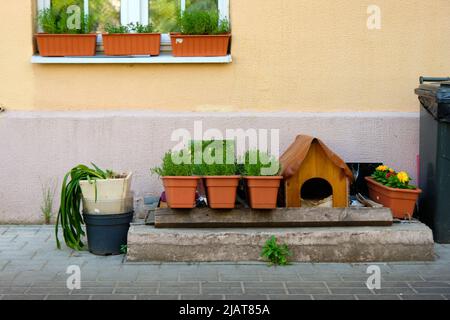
point(199, 22)
point(131, 40)
point(115, 29)
point(201, 33)
point(130, 28)
point(142, 28)
point(54, 21)
point(66, 33)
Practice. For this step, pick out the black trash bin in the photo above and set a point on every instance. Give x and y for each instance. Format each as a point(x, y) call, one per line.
point(434, 203)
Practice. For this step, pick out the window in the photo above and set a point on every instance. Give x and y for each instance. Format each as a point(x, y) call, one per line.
point(161, 13)
point(102, 11)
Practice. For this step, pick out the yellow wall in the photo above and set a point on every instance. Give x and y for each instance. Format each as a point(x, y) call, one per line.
point(297, 55)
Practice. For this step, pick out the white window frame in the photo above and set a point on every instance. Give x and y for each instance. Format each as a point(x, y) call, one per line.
point(132, 11)
point(138, 11)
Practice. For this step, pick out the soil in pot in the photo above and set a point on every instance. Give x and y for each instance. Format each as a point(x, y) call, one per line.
point(263, 191)
point(107, 233)
point(66, 45)
point(402, 202)
point(199, 45)
point(222, 191)
point(180, 191)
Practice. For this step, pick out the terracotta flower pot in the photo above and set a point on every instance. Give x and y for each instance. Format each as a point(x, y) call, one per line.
point(400, 201)
point(130, 44)
point(180, 191)
point(263, 191)
point(199, 45)
point(222, 191)
point(66, 45)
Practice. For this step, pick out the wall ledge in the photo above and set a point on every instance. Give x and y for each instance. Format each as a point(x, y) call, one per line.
point(83, 114)
point(163, 58)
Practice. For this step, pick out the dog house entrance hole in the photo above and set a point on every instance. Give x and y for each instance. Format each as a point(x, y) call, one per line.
point(316, 192)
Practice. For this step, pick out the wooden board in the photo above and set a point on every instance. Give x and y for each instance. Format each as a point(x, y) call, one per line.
point(278, 218)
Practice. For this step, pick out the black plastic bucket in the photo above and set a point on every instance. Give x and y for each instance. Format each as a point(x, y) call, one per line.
point(107, 233)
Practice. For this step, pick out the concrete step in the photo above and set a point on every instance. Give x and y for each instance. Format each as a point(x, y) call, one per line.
point(399, 242)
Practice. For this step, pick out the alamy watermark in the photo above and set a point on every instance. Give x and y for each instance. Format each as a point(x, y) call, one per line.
point(237, 141)
point(374, 280)
point(73, 282)
point(74, 19)
point(374, 19)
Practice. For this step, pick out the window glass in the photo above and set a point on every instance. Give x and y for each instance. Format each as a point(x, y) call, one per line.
point(202, 5)
point(100, 11)
point(103, 12)
point(63, 4)
point(163, 15)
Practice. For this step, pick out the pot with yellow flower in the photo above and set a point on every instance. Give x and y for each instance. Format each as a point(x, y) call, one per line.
point(392, 189)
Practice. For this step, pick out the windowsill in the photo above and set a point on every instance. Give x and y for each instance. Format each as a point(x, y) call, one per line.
point(164, 57)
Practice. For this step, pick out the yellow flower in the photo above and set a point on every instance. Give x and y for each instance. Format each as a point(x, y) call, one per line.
point(403, 177)
point(382, 168)
point(391, 170)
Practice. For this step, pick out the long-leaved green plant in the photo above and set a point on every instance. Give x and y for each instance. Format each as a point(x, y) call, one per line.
point(69, 216)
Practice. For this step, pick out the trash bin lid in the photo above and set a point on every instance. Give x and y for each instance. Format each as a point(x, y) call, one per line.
point(435, 97)
point(440, 91)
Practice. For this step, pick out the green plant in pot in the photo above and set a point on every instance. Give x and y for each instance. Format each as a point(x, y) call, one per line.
point(180, 184)
point(217, 164)
point(261, 172)
point(94, 185)
point(65, 33)
point(201, 33)
point(393, 190)
point(132, 39)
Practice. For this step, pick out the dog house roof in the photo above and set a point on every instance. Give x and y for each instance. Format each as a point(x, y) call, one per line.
point(294, 156)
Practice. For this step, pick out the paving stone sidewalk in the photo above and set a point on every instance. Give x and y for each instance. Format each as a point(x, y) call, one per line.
point(32, 268)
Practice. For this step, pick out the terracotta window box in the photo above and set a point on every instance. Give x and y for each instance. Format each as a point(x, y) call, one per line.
point(199, 45)
point(130, 44)
point(66, 45)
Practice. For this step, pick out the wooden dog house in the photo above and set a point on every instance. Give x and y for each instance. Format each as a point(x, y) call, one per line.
point(310, 167)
